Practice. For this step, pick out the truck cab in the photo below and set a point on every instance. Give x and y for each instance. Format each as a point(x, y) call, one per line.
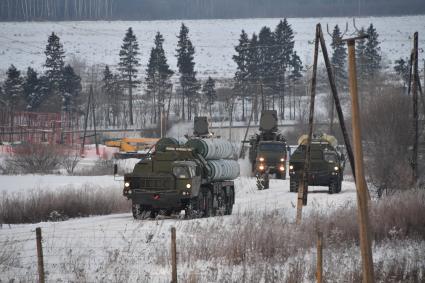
point(271, 157)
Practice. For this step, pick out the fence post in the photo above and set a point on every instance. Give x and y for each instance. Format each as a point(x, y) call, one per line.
point(319, 265)
point(41, 277)
point(173, 256)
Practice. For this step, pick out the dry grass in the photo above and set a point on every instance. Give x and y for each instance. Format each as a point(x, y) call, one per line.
point(39, 205)
point(264, 246)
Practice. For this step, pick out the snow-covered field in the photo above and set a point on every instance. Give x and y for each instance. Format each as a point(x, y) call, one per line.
point(22, 44)
point(98, 237)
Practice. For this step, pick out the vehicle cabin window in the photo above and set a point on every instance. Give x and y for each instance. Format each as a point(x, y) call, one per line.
point(192, 171)
point(329, 157)
point(272, 147)
point(181, 172)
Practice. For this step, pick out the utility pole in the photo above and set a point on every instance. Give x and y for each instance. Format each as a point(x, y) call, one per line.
point(362, 192)
point(303, 185)
point(415, 78)
point(337, 103)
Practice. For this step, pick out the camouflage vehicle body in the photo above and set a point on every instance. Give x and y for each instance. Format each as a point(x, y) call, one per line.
point(176, 178)
point(268, 149)
point(327, 164)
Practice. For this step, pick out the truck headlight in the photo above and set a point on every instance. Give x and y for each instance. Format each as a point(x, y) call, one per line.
point(282, 159)
point(291, 167)
point(261, 159)
point(281, 168)
point(188, 186)
point(127, 184)
point(261, 167)
point(336, 168)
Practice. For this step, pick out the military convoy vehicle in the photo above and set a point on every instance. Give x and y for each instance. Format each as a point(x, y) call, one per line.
point(327, 163)
point(196, 177)
point(268, 150)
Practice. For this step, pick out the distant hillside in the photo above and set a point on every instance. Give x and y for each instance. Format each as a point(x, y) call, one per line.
point(33, 10)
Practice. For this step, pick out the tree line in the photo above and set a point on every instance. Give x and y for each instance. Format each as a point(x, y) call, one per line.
point(30, 10)
point(269, 75)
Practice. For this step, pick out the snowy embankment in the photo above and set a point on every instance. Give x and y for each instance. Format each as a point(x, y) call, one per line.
point(116, 248)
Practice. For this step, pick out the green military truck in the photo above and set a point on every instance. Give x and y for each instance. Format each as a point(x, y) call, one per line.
point(196, 177)
point(327, 163)
point(268, 150)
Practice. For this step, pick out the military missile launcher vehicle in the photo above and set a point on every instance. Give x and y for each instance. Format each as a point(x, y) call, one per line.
point(196, 177)
point(268, 150)
point(327, 163)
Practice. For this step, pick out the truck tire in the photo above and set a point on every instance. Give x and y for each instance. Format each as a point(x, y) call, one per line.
point(333, 187)
point(229, 202)
point(200, 207)
point(293, 185)
point(209, 209)
point(141, 212)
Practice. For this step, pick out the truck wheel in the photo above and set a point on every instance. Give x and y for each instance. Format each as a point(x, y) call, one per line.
point(135, 210)
point(229, 203)
point(200, 207)
point(333, 187)
point(209, 209)
point(293, 185)
point(339, 186)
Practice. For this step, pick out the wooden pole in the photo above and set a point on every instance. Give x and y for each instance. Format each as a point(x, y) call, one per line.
point(415, 77)
point(319, 265)
point(94, 120)
point(337, 103)
point(86, 117)
point(173, 256)
point(362, 193)
point(41, 278)
point(303, 185)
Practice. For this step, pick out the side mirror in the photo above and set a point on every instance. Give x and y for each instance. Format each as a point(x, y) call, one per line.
point(115, 169)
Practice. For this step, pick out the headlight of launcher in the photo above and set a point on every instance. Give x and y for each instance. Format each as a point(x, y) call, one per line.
point(336, 168)
point(261, 167)
point(291, 167)
point(261, 159)
point(282, 168)
point(127, 184)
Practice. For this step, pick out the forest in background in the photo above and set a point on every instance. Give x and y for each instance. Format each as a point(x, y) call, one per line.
point(64, 10)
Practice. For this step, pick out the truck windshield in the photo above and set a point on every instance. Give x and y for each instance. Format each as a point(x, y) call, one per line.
point(329, 157)
point(181, 172)
point(272, 147)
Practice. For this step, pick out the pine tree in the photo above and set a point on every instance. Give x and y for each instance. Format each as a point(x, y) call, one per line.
point(284, 43)
point(296, 69)
point(31, 89)
point(186, 65)
point(13, 88)
point(402, 69)
point(158, 76)
point(372, 51)
point(253, 62)
point(361, 60)
point(108, 90)
point(71, 89)
point(266, 57)
point(54, 60)
point(210, 93)
point(241, 74)
point(128, 66)
point(339, 57)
